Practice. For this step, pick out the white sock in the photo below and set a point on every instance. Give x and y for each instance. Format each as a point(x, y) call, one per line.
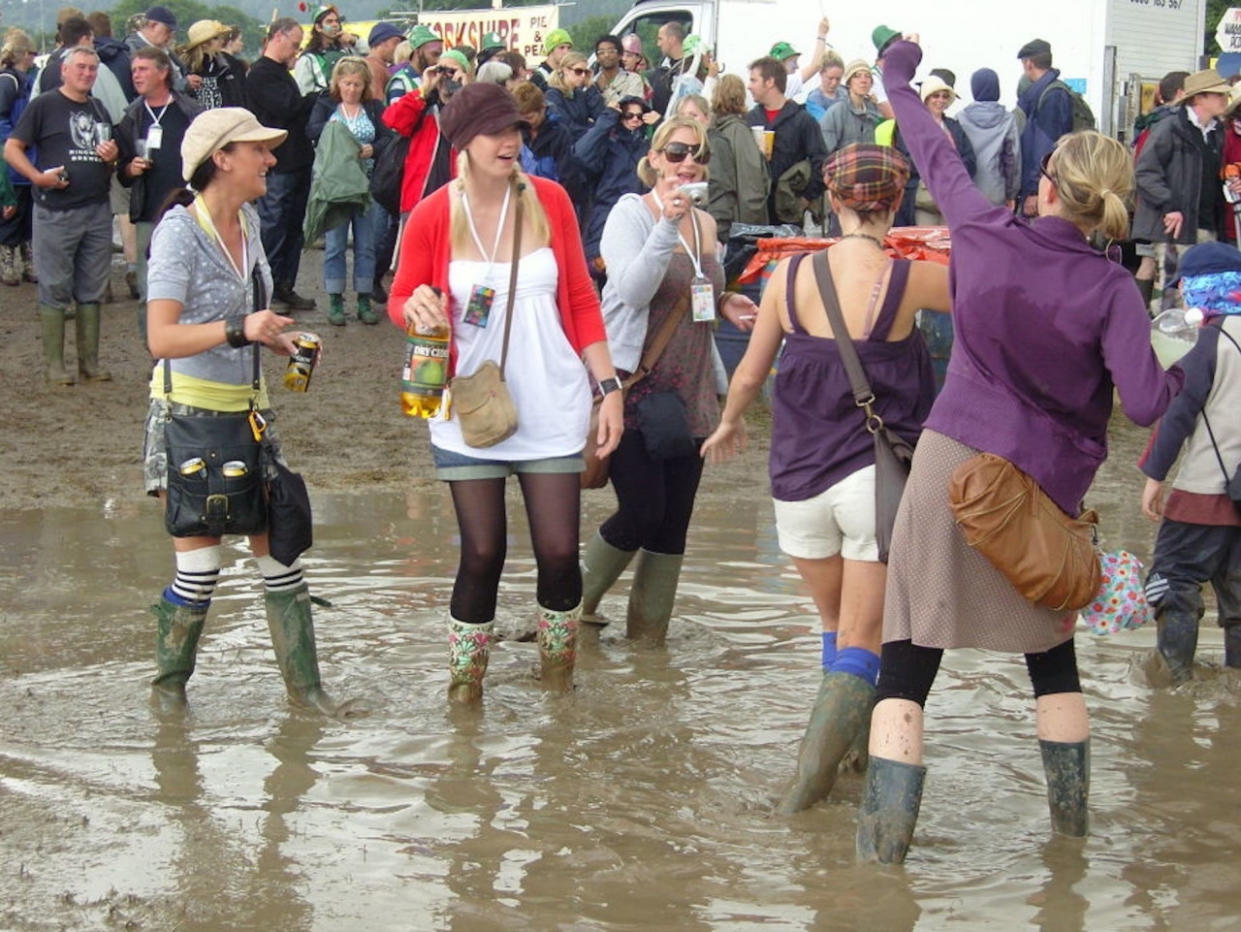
point(198, 571)
point(277, 577)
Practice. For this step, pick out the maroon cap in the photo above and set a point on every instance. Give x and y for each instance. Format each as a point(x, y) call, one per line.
point(482, 109)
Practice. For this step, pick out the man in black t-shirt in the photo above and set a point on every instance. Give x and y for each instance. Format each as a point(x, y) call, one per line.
point(72, 240)
point(149, 137)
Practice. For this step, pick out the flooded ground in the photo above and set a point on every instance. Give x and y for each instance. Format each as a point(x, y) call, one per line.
point(643, 800)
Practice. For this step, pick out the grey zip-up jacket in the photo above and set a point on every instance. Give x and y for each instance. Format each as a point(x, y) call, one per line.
point(993, 132)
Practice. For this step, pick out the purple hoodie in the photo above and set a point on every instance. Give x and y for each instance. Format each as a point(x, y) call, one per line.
point(1046, 326)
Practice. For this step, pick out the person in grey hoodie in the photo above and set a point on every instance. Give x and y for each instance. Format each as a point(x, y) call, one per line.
point(993, 132)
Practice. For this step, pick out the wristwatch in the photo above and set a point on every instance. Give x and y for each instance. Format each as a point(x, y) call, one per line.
point(607, 386)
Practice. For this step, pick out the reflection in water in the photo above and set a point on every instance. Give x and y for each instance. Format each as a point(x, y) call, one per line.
point(643, 799)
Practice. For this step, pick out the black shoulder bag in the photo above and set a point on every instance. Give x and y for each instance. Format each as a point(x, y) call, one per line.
point(893, 453)
point(215, 468)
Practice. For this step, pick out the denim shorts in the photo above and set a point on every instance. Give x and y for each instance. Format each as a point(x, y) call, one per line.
point(451, 466)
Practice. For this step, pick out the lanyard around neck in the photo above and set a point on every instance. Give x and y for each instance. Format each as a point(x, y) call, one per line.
point(478, 241)
point(205, 221)
point(695, 255)
point(162, 110)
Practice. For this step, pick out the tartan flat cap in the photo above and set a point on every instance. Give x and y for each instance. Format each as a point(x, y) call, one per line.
point(866, 178)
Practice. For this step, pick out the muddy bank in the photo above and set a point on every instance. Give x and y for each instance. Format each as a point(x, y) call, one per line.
point(83, 445)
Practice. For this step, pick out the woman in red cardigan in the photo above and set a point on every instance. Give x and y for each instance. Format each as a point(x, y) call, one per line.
point(454, 268)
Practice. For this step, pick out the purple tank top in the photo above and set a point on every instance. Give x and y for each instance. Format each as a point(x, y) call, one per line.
point(818, 434)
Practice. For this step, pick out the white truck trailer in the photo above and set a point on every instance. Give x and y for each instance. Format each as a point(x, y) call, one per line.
point(1105, 49)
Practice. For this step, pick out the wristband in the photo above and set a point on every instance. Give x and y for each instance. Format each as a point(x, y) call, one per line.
point(235, 331)
point(607, 386)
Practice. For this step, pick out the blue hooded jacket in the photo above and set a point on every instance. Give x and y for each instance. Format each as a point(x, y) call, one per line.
point(609, 156)
point(1045, 124)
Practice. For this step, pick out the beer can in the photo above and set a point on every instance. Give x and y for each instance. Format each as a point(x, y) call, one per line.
point(193, 466)
point(302, 363)
point(234, 469)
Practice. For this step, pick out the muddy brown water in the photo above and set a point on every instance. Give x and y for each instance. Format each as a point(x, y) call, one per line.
point(643, 800)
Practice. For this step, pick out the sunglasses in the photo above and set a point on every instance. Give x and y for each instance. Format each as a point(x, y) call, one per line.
point(580, 70)
point(1043, 167)
point(632, 115)
point(675, 152)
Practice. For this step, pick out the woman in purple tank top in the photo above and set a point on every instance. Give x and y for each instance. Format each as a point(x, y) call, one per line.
point(822, 457)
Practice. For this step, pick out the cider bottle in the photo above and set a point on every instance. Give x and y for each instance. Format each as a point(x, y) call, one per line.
point(426, 371)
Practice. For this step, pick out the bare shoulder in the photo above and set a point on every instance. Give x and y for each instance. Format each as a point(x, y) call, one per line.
point(928, 286)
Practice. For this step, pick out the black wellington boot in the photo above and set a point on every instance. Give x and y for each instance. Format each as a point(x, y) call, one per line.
point(1067, 767)
point(889, 810)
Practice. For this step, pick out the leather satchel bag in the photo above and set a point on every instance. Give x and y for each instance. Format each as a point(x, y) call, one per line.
point(1049, 557)
point(595, 475)
point(482, 402)
point(893, 454)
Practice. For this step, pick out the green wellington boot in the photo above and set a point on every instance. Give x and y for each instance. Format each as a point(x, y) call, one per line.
point(469, 649)
point(652, 594)
point(889, 810)
point(558, 647)
point(336, 310)
point(840, 712)
point(53, 320)
point(178, 628)
point(366, 313)
point(293, 638)
point(1067, 766)
point(87, 325)
point(602, 564)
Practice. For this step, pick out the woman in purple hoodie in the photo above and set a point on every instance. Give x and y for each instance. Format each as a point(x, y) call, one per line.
point(1047, 328)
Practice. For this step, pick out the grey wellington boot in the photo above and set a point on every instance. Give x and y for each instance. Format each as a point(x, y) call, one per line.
point(53, 320)
point(178, 628)
point(840, 712)
point(1177, 640)
point(652, 594)
point(292, 629)
point(1067, 766)
point(602, 564)
point(87, 325)
point(889, 810)
point(10, 265)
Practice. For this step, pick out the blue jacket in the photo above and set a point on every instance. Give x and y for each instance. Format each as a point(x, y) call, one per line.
point(577, 113)
point(1045, 124)
point(608, 155)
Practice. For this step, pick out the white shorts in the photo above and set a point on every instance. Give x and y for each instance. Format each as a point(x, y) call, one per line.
point(839, 520)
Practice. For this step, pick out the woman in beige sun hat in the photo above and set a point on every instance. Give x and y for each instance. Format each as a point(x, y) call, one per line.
point(222, 85)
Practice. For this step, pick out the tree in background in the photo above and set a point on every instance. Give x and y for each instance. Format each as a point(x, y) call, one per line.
point(190, 11)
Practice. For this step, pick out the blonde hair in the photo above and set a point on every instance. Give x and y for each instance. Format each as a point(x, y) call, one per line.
point(1094, 179)
point(532, 207)
point(568, 61)
point(16, 44)
point(351, 64)
point(698, 101)
point(831, 59)
point(646, 171)
point(402, 53)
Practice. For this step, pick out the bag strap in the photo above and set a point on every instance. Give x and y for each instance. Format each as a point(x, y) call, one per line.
point(519, 188)
point(1206, 422)
point(260, 303)
point(663, 337)
point(863, 397)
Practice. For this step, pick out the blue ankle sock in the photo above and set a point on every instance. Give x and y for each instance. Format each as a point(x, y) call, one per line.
point(177, 599)
point(829, 649)
point(859, 661)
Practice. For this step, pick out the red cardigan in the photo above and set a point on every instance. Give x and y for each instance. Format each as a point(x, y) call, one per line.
point(407, 115)
point(426, 250)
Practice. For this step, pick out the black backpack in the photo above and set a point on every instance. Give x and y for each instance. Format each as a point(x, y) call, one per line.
point(389, 170)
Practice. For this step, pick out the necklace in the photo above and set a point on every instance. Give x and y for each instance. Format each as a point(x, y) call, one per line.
point(874, 239)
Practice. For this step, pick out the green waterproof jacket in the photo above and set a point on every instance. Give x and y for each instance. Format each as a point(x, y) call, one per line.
point(338, 185)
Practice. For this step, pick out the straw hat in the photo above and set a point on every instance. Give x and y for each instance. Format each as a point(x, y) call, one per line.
point(933, 85)
point(1205, 82)
point(855, 67)
point(204, 31)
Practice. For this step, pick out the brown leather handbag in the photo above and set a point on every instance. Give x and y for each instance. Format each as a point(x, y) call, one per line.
point(595, 475)
point(1050, 558)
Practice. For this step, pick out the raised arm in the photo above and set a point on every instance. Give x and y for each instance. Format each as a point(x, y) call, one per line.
point(937, 159)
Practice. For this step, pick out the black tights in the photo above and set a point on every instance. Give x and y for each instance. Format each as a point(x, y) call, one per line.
point(906, 671)
point(552, 506)
point(655, 498)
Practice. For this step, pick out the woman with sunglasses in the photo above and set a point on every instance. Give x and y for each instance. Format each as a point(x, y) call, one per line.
point(663, 277)
point(572, 95)
point(456, 258)
point(608, 157)
point(1048, 330)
